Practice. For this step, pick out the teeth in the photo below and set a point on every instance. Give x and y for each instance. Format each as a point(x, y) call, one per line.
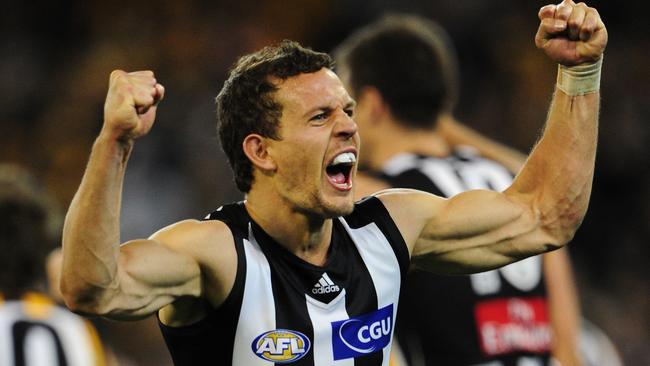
point(344, 158)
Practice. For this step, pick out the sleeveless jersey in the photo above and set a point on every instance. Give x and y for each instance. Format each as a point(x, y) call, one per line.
point(34, 332)
point(494, 318)
point(284, 310)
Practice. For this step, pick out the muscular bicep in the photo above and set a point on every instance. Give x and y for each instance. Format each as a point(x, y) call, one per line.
point(172, 264)
point(151, 275)
point(470, 232)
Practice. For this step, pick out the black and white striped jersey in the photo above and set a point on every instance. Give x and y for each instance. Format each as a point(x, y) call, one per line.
point(35, 331)
point(494, 318)
point(283, 310)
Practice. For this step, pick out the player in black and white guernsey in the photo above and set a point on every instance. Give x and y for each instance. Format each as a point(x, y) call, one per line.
point(283, 308)
point(299, 273)
point(499, 317)
point(34, 330)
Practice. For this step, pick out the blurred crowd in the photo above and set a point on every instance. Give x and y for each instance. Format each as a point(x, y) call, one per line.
point(55, 58)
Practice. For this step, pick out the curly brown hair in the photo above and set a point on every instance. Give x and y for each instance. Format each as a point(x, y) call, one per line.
point(246, 105)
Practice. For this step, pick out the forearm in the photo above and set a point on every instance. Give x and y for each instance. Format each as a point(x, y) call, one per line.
point(556, 180)
point(91, 234)
point(563, 307)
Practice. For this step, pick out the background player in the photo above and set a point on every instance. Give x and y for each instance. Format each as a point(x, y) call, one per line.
point(33, 329)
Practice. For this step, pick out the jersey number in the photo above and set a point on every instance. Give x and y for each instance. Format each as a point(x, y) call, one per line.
point(37, 344)
point(454, 176)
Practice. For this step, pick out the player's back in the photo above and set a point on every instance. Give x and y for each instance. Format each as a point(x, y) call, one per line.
point(34, 331)
point(495, 318)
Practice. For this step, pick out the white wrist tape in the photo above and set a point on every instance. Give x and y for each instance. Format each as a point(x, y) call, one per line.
point(581, 79)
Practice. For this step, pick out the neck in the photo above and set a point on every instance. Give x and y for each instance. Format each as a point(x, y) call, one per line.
point(306, 235)
point(408, 140)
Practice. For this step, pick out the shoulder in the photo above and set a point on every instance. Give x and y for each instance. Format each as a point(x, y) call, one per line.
point(410, 210)
point(195, 237)
point(410, 202)
point(192, 232)
point(211, 245)
point(367, 184)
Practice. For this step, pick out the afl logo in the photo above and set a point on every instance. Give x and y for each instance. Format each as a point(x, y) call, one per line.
point(281, 346)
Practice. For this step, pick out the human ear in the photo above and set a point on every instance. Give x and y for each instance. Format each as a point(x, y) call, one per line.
point(256, 149)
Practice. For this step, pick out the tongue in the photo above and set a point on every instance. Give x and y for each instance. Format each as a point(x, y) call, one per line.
point(338, 178)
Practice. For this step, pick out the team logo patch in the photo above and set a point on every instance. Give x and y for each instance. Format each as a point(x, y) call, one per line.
point(363, 334)
point(281, 345)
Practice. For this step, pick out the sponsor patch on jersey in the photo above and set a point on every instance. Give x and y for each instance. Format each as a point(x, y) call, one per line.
point(281, 345)
point(511, 325)
point(363, 334)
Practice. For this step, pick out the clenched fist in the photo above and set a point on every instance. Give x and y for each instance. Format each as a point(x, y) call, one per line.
point(130, 108)
point(570, 33)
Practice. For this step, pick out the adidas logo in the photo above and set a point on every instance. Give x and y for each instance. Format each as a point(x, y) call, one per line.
point(325, 285)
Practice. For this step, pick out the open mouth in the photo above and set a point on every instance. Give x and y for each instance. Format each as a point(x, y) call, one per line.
point(339, 171)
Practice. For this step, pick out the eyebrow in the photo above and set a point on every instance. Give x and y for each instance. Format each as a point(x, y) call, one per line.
point(350, 104)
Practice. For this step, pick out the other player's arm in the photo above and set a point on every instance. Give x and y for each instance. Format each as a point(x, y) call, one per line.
point(564, 307)
point(542, 209)
point(458, 134)
point(98, 275)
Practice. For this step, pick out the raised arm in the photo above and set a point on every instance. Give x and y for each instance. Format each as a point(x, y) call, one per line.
point(542, 209)
point(98, 275)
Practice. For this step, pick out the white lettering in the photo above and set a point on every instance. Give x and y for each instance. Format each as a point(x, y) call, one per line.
point(490, 339)
point(267, 346)
point(295, 347)
point(283, 343)
point(375, 330)
point(498, 339)
point(385, 326)
point(524, 275)
point(360, 334)
point(326, 289)
point(485, 283)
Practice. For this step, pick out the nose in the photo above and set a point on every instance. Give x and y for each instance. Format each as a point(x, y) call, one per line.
point(345, 125)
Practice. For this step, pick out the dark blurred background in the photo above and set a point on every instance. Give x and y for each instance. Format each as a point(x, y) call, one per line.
point(55, 58)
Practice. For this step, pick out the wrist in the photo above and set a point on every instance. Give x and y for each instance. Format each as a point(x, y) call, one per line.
point(113, 144)
point(580, 79)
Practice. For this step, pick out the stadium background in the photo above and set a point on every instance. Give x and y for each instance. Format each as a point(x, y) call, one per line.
point(55, 58)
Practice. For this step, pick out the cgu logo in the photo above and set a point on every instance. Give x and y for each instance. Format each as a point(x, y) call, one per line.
point(362, 335)
point(281, 346)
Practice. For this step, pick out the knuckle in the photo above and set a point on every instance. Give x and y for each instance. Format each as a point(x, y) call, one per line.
point(546, 11)
point(573, 23)
point(116, 75)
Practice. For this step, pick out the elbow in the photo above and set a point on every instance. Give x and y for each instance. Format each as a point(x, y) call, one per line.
point(564, 228)
point(76, 298)
point(83, 298)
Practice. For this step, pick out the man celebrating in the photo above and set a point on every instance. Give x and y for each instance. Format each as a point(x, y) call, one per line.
point(523, 312)
point(298, 272)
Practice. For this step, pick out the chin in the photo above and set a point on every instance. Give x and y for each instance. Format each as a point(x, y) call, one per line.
point(336, 209)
